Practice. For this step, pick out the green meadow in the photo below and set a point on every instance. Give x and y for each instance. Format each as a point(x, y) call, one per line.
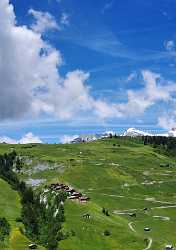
point(121, 175)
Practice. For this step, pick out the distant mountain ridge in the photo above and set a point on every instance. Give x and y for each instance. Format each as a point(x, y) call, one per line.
point(93, 137)
point(132, 132)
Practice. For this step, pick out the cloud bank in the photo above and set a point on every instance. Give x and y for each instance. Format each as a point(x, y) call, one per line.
point(26, 139)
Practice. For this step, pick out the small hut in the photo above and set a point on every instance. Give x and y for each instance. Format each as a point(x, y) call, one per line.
point(84, 199)
point(77, 194)
point(73, 197)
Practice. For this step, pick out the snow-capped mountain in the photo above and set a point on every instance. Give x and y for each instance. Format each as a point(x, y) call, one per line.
point(85, 138)
point(89, 138)
point(135, 132)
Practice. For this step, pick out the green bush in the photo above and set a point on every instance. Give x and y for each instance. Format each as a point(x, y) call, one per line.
point(4, 228)
point(107, 233)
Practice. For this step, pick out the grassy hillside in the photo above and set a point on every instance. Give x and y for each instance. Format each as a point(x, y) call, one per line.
point(10, 209)
point(124, 178)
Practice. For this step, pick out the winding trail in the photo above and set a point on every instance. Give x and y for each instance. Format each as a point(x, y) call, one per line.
point(164, 207)
point(130, 224)
point(166, 218)
point(138, 209)
point(149, 199)
point(149, 244)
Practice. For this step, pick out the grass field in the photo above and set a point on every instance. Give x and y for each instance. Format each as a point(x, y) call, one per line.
point(10, 209)
point(124, 179)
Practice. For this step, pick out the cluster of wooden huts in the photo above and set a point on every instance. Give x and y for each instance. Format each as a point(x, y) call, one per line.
point(71, 192)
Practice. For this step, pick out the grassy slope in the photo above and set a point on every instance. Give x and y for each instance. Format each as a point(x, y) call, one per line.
point(112, 177)
point(10, 209)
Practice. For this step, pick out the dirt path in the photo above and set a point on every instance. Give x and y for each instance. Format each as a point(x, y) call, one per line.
point(125, 211)
point(130, 224)
point(166, 218)
point(149, 244)
point(163, 207)
point(138, 209)
point(149, 199)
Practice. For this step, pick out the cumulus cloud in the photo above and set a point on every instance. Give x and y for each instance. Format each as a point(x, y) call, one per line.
point(43, 21)
point(27, 63)
point(67, 100)
point(106, 110)
point(30, 82)
point(155, 89)
point(28, 138)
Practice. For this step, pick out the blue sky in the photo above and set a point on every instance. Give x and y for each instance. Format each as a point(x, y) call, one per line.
point(115, 63)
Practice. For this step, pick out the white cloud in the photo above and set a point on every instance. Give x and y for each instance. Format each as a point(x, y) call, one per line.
point(68, 138)
point(30, 83)
point(67, 100)
point(167, 122)
point(169, 45)
point(105, 110)
point(28, 138)
point(155, 89)
point(131, 77)
point(65, 19)
point(26, 63)
point(43, 21)
point(8, 140)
